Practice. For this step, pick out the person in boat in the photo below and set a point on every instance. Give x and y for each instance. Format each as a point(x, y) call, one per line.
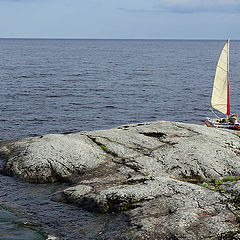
point(233, 119)
point(222, 120)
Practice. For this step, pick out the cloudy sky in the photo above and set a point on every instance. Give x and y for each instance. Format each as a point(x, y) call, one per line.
point(164, 19)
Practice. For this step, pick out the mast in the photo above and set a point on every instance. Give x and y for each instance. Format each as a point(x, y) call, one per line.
point(228, 90)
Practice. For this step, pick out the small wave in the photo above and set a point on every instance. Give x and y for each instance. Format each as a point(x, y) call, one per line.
point(76, 75)
point(24, 76)
point(47, 74)
point(203, 95)
point(25, 94)
point(53, 96)
point(77, 104)
point(198, 109)
point(109, 106)
point(37, 120)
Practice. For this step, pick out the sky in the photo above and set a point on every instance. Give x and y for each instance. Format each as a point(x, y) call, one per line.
point(120, 19)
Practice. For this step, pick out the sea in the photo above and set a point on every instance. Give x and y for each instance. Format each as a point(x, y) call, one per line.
point(63, 86)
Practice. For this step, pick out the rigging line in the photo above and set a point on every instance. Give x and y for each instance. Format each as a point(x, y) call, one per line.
point(214, 113)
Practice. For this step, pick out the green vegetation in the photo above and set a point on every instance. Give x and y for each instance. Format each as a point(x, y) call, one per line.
point(205, 185)
point(130, 205)
point(132, 182)
point(230, 235)
point(237, 134)
point(231, 178)
point(219, 181)
point(104, 148)
point(192, 178)
point(136, 181)
point(213, 184)
point(127, 206)
point(118, 206)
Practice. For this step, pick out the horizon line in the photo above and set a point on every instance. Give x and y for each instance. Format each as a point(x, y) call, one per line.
point(65, 38)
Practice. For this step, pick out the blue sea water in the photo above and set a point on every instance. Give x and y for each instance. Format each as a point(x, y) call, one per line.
point(56, 86)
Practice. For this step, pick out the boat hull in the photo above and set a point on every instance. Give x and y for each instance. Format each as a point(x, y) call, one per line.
point(212, 123)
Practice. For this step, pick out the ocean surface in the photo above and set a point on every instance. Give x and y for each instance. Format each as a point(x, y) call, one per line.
point(58, 86)
point(55, 86)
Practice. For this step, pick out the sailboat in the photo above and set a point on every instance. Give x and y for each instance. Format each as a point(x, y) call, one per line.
point(220, 94)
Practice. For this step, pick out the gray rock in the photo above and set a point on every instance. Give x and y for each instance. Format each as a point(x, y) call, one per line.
point(72, 194)
point(51, 158)
point(173, 148)
point(157, 148)
point(167, 177)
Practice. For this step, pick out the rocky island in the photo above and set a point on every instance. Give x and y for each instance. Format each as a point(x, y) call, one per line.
point(166, 180)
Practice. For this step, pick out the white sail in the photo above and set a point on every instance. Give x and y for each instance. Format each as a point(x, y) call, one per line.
point(220, 93)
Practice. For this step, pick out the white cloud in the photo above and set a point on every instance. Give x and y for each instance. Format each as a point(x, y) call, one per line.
point(189, 6)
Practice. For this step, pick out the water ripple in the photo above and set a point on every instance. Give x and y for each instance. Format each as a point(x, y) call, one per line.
point(102, 84)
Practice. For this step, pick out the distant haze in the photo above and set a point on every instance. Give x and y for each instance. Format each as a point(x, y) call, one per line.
point(118, 19)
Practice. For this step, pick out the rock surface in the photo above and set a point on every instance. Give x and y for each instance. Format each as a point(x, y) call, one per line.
point(172, 180)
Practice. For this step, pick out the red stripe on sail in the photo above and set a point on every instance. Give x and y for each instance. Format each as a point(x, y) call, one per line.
point(228, 99)
point(228, 96)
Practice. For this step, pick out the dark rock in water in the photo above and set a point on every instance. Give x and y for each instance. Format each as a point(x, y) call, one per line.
point(171, 180)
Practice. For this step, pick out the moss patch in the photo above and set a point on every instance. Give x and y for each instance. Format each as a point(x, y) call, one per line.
point(231, 235)
point(135, 181)
point(104, 148)
point(119, 206)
